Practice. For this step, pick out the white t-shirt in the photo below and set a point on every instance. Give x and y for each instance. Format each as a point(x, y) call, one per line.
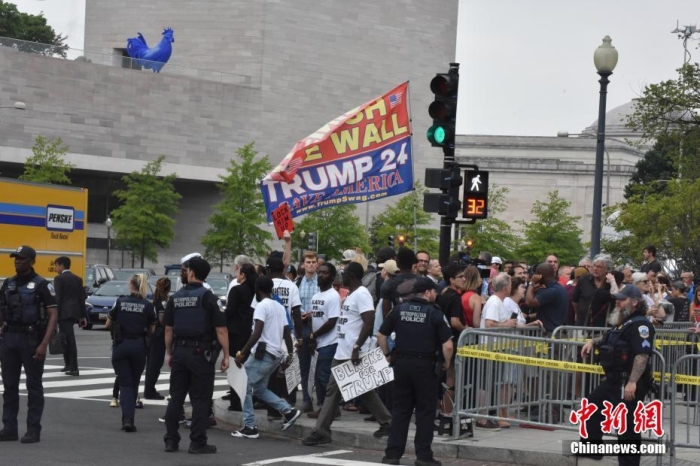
point(325, 305)
point(350, 322)
point(287, 291)
point(512, 307)
point(271, 314)
point(494, 310)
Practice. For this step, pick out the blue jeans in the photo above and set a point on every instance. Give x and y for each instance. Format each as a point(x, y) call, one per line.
point(323, 370)
point(258, 372)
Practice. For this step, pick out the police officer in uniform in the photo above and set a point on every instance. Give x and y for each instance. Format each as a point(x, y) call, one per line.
point(421, 331)
point(193, 324)
point(28, 311)
point(132, 318)
point(624, 353)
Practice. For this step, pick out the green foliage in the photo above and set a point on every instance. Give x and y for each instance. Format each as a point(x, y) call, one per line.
point(553, 231)
point(235, 224)
point(337, 229)
point(41, 37)
point(47, 164)
point(144, 221)
point(492, 234)
point(398, 219)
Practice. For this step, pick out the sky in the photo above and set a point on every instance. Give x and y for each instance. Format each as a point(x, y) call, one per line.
point(526, 66)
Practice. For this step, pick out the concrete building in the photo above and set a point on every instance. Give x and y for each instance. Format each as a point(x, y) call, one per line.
point(270, 71)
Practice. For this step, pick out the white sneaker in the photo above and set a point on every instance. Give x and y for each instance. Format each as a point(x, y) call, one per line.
point(114, 403)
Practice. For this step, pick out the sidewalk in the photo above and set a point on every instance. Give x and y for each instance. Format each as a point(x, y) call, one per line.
point(515, 445)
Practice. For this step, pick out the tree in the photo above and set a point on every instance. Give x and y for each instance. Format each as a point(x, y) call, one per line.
point(34, 34)
point(47, 165)
point(553, 231)
point(399, 218)
point(337, 229)
point(493, 234)
point(235, 224)
point(144, 220)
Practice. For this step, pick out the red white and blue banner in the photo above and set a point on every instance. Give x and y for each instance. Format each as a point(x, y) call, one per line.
point(361, 156)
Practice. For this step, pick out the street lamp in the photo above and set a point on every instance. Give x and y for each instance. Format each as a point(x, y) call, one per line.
point(605, 59)
point(108, 224)
point(16, 106)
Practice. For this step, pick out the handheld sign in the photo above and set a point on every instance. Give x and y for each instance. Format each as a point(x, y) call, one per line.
point(372, 372)
point(282, 218)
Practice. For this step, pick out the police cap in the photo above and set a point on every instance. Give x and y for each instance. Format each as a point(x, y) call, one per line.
point(423, 284)
point(24, 252)
point(629, 291)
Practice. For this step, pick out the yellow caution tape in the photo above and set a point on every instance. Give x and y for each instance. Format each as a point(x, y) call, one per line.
point(472, 352)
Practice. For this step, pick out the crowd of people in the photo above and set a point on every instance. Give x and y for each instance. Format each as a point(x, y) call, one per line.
point(405, 303)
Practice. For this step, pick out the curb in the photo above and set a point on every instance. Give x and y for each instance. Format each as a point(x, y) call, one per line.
point(443, 447)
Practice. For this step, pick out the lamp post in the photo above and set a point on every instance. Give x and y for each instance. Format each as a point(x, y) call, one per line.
point(605, 59)
point(108, 224)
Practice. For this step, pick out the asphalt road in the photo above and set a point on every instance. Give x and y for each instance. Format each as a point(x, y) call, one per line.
point(79, 427)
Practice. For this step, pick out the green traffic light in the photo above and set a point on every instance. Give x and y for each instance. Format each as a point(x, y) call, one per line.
point(436, 134)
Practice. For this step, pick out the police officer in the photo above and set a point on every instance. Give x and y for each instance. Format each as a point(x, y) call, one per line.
point(28, 311)
point(132, 318)
point(421, 328)
point(624, 352)
point(193, 324)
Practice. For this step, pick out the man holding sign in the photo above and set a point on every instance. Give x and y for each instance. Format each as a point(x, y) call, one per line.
point(421, 328)
point(354, 330)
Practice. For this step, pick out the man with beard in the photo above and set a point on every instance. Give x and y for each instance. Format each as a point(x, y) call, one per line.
point(625, 351)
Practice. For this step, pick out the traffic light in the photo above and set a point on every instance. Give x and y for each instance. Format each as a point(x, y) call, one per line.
point(401, 239)
point(391, 241)
point(443, 110)
point(312, 241)
point(447, 203)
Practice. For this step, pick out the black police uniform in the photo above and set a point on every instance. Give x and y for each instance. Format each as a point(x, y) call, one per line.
point(193, 313)
point(420, 329)
point(131, 316)
point(617, 351)
point(25, 301)
point(156, 354)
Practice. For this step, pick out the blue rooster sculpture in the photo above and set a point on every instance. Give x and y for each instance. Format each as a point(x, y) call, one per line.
point(151, 58)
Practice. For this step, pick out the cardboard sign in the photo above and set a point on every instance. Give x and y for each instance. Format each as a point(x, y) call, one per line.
point(282, 218)
point(292, 374)
point(312, 374)
point(373, 371)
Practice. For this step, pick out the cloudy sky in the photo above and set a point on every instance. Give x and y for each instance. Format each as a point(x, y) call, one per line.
point(527, 66)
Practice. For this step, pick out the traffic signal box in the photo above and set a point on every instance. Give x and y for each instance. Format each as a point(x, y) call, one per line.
point(476, 195)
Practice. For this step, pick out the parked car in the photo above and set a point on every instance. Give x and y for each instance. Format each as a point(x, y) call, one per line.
point(98, 305)
point(173, 270)
point(126, 274)
point(219, 286)
point(96, 275)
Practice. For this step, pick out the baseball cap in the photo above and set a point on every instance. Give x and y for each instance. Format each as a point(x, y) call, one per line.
point(496, 260)
point(348, 255)
point(275, 264)
point(629, 291)
point(24, 252)
point(390, 267)
point(424, 284)
point(189, 256)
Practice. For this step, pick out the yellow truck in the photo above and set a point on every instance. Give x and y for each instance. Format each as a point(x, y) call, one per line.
point(50, 218)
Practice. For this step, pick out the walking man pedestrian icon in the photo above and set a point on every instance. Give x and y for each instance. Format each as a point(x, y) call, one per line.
point(476, 182)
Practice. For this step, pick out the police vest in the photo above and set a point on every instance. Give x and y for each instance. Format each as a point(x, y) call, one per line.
point(415, 336)
point(23, 302)
point(614, 351)
point(132, 316)
point(190, 318)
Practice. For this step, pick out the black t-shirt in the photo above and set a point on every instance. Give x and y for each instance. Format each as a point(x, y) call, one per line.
point(390, 288)
point(419, 325)
point(239, 313)
point(681, 307)
point(45, 290)
point(450, 303)
point(214, 316)
point(594, 303)
point(553, 305)
point(653, 265)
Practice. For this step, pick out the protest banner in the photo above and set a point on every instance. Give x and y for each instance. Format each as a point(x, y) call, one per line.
point(363, 155)
point(292, 374)
point(373, 371)
point(282, 218)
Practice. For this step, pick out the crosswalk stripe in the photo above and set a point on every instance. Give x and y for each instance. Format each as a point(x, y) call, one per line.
point(83, 373)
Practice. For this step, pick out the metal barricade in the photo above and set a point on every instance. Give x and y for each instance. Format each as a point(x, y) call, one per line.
point(510, 376)
point(684, 406)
